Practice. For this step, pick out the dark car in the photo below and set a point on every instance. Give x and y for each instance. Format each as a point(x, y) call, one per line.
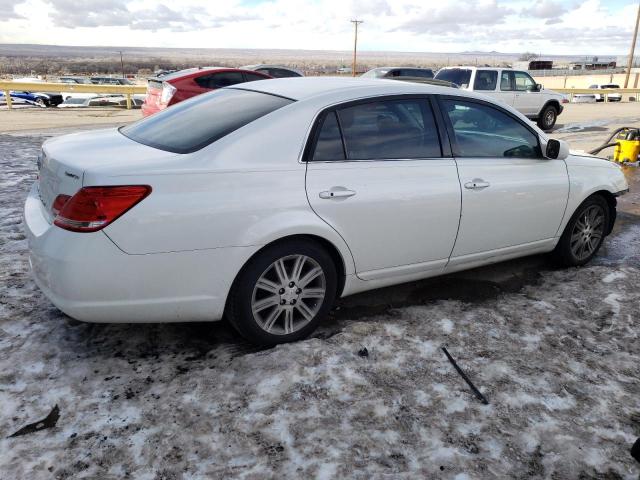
point(175, 87)
point(275, 71)
point(393, 72)
point(43, 99)
point(111, 81)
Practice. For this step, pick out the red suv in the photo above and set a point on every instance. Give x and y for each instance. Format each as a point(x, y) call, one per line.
point(173, 88)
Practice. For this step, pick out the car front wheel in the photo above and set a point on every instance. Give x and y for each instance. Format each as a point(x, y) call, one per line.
point(548, 117)
point(585, 232)
point(283, 293)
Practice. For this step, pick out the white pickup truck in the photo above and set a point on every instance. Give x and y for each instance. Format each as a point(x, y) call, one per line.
point(513, 87)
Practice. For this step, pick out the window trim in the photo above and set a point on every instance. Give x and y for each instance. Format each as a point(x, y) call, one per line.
point(312, 138)
point(452, 135)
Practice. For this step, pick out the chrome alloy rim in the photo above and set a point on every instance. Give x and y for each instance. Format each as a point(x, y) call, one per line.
point(587, 232)
point(549, 117)
point(288, 294)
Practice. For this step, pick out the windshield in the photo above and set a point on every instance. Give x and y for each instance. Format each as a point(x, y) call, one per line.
point(459, 76)
point(611, 85)
point(195, 123)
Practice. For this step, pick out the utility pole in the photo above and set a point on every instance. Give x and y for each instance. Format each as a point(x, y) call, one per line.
point(633, 48)
point(355, 45)
point(121, 64)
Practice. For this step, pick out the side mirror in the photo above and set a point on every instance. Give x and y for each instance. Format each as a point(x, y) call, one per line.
point(539, 87)
point(556, 149)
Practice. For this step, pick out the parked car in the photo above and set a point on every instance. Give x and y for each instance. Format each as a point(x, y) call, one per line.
point(393, 72)
point(176, 87)
point(428, 81)
point(111, 81)
point(264, 202)
point(274, 71)
point(100, 101)
point(42, 99)
point(515, 88)
point(612, 97)
point(584, 98)
point(66, 95)
point(75, 80)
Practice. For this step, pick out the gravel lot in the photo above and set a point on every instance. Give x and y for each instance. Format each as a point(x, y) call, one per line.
point(556, 352)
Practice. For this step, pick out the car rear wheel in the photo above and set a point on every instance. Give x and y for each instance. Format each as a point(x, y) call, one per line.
point(283, 293)
point(585, 232)
point(41, 102)
point(548, 117)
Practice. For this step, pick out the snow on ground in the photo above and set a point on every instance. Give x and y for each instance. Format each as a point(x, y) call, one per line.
point(559, 361)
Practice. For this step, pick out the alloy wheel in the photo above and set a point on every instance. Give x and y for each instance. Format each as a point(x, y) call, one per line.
point(587, 232)
point(288, 294)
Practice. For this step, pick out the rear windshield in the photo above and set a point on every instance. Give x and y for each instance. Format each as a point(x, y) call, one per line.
point(459, 76)
point(199, 121)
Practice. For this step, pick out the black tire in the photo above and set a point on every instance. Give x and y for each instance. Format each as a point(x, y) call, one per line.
point(548, 117)
point(239, 304)
point(565, 251)
point(41, 102)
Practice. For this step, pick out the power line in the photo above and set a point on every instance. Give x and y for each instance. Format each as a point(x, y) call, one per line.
point(633, 48)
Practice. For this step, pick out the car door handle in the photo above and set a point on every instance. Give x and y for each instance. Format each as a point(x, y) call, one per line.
point(336, 192)
point(476, 184)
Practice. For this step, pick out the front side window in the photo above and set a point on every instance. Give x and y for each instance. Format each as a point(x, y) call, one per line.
point(389, 129)
point(485, 80)
point(199, 121)
point(484, 131)
point(523, 82)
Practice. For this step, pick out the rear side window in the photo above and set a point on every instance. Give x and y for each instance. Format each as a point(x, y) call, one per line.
point(199, 121)
point(329, 145)
point(485, 80)
point(219, 80)
point(279, 73)
point(459, 76)
point(484, 131)
point(252, 77)
point(389, 129)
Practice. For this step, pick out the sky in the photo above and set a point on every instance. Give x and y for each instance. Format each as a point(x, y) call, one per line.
point(562, 27)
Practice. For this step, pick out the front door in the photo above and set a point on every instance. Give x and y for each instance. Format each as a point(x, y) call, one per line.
point(527, 99)
point(376, 173)
point(511, 195)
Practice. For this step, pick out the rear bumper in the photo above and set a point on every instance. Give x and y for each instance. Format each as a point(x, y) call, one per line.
point(90, 279)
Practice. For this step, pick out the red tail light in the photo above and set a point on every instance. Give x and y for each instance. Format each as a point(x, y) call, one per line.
point(58, 203)
point(93, 208)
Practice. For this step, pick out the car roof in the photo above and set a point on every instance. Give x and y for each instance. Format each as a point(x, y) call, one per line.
point(302, 88)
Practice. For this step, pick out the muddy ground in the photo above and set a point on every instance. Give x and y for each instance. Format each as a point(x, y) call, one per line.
point(556, 353)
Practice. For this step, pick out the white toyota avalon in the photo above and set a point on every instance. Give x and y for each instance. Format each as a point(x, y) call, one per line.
point(263, 202)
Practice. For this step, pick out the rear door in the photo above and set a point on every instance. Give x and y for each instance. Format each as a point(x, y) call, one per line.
point(506, 91)
point(511, 195)
point(378, 175)
point(486, 82)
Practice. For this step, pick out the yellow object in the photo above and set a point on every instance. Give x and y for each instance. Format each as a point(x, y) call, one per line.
point(628, 146)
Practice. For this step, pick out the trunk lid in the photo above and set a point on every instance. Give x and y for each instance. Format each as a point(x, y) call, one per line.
point(63, 161)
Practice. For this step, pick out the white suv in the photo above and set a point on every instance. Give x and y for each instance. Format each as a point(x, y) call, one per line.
point(513, 87)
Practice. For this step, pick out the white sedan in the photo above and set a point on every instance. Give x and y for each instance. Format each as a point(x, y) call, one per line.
point(263, 202)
